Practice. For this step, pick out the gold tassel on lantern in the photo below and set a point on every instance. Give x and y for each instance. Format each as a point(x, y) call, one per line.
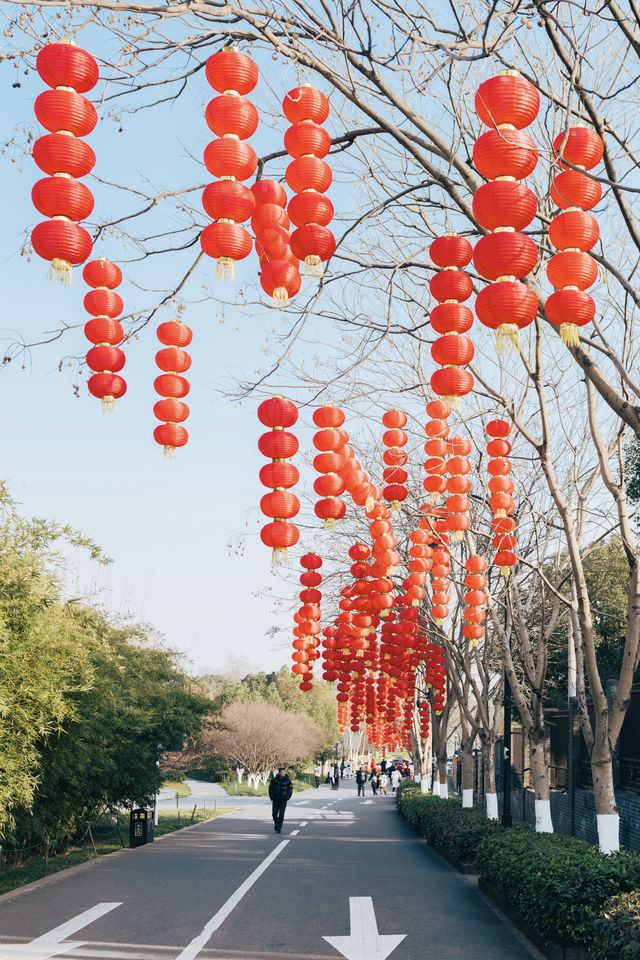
point(61, 271)
point(505, 571)
point(330, 523)
point(109, 405)
point(169, 452)
point(507, 336)
point(225, 268)
point(280, 297)
point(569, 334)
point(313, 266)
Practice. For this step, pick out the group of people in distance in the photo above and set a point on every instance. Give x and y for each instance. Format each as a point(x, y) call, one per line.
point(380, 776)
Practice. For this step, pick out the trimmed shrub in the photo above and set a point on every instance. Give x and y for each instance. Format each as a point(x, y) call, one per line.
point(557, 884)
point(444, 823)
point(617, 929)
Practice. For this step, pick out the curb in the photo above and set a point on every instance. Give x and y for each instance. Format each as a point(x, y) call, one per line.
point(78, 867)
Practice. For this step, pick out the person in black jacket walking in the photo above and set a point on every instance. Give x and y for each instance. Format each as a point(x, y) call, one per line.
point(280, 790)
point(361, 780)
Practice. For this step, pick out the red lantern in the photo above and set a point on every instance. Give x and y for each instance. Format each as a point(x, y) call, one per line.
point(233, 119)
point(331, 441)
point(173, 361)
point(308, 142)
point(507, 99)
point(105, 332)
point(501, 502)
point(572, 271)
point(394, 493)
point(453, 350)
point(280, 534)
point(68, 115)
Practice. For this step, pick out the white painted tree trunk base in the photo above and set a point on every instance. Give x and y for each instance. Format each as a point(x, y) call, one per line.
point(435, 788)
point(424, 785)
point(544, 824)
point(492, 806)
point(444, 791)
point(467, 799)
point(417, 777)
point(608, 832)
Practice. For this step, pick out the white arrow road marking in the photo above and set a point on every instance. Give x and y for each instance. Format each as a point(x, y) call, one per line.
point(198, 943)
point(364, 941)
point(49, 944)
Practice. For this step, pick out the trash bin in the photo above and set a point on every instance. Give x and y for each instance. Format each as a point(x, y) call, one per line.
point(140, 827)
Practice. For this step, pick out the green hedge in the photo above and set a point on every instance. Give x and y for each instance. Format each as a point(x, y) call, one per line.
point(564, 888)
point(444, 823)
point(559, 885)
point(617, 929)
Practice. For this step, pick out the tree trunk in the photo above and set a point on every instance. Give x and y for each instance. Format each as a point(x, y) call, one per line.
point(540, 772)
point(491, 796)
point(442, 777)
point(467, 776)
point(607, 816)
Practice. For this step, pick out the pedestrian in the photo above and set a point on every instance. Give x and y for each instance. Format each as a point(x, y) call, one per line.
point(317, 774)
point(335, 776)
point(384, 780)
point(374, 779)
point(342, 765)
point(383, 765)
point(395, 779)
point(361, 780)
point(280, 790)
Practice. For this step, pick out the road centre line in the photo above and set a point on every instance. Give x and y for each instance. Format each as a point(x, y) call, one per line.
point(304, 823)
point(198, 943)
point(294, 833)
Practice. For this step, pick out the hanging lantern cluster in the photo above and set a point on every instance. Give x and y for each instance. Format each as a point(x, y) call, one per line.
point(233, 119)
point(475, 599)
point(363, 492)
point(105, 332)
point(330, 441)
point(573, 232)
point(279, 268)
point(330, 659)
point(424, 710)
point(61, 197)
point(501, 500)
point(279, 445)
point(458, 486)
point(395, 477)
point(173, 361)
point(436, 676)
point(436, 448)
point(307, 629)
point(309, 176)
point(453, 350)
point(505, 155)
point(384, 541)
point(419, 566)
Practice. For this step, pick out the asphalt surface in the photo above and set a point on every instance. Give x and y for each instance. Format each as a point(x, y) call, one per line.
point(232, 889)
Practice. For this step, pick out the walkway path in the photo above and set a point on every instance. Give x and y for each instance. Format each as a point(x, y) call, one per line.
point(232, 889)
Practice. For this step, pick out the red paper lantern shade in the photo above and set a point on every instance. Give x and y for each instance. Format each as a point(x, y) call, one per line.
point(231, 116)
point(505, 254)
point(173, 361)
point(450, 285)
point(103, 303)
point(226, 243)
point(66, 65)
point(103, 330)
point(229, 69)
point(572, 270)
point(507, 98)
point(452, 349)
point(305, 103)
point(63, 243)
point(574, 189)
point(452, 383)
point(328, 416)
point(279, 535)
point(61, 196)
point(280, 280)
point(580, 146)
point(307, 142)
point(65, 110)
point(60, 153)
point(277, 412)
point(505, 153)
point(269, 215)
point(228, 200)
point(574, 229)
point(107, 387)
point(102, 273)
point(451, 318)
point(508, 304)
point(232, 158)
point(279, 474)
point(450, 251)
point(504, 203)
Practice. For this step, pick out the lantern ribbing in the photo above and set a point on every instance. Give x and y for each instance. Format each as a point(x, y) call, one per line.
point(501, 500)
point(280, 505)
point(105, 332)
point(172, 386)
point(450, 286)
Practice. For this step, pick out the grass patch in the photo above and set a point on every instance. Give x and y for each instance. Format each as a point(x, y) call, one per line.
point(176, 787)
point(235, 789)
point(107, 840)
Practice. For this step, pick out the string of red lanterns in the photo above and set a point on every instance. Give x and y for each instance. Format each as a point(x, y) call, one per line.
point(574, 231)
point(173, 360)
point(394, 438)
point(68, 116)
point(279, 445)
point(437, 431)
point(505, 155)
point(307, 629)
point(330, 441)
point(501, 500)
point(309, 176)
point(475, 599)
point(233, 119)
point(105, 332)
point(453, 350)
point(279, 268)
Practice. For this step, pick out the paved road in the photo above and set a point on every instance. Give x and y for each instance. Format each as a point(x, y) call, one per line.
point(232, 889)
